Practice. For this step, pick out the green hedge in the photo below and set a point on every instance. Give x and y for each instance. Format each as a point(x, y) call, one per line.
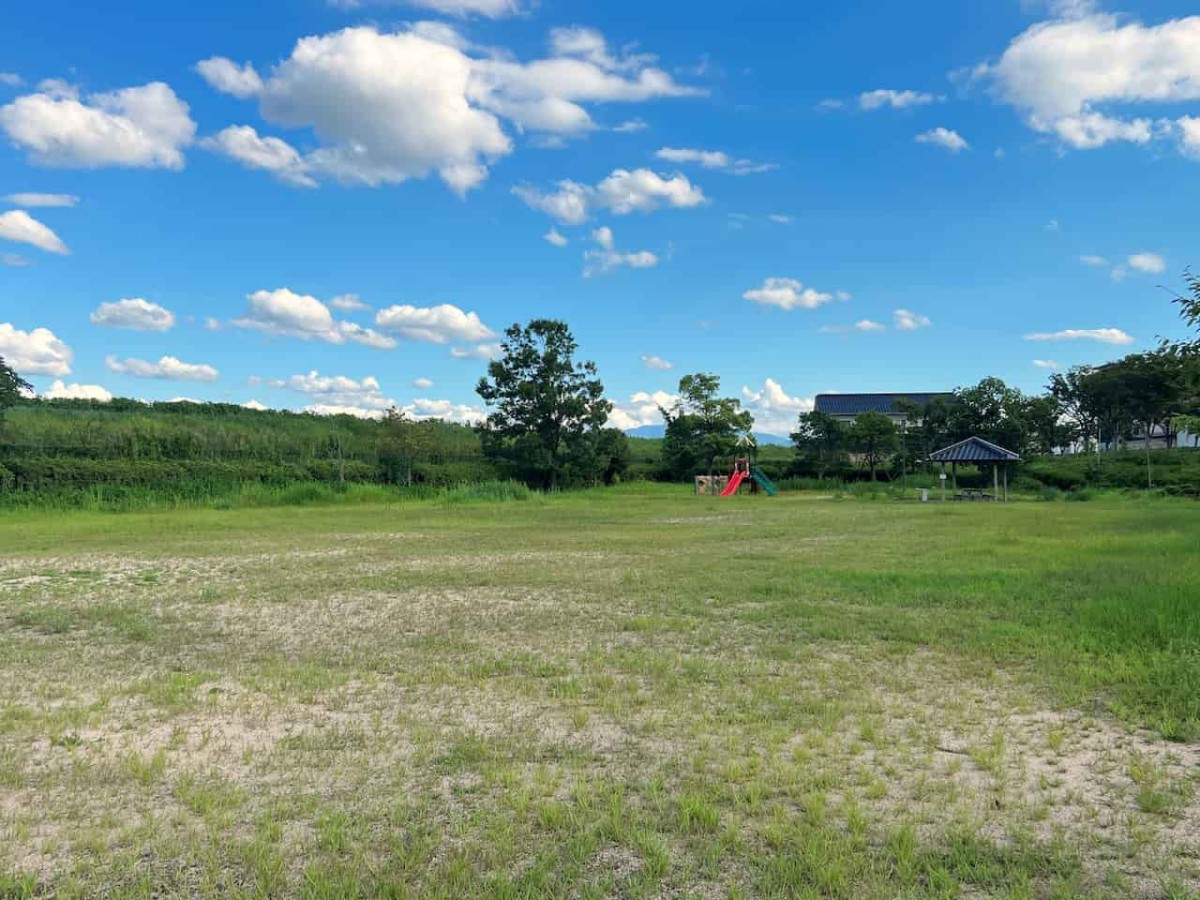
point(1171, 468)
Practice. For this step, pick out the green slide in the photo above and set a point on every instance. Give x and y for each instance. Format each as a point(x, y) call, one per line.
point(764, 482)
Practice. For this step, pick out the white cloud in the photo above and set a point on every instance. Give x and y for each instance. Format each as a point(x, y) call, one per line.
point(421, 409)
point(873, 100)
point(657, 362)
point(607, 257)
point(906, 320)
point(1103, 335)
point(17, 225)
point(865, 326)
point(631, 126)
point(553, 237)
point(271, 154)
point(137, 127)
point(62, 391)
point(775, 412)
point(135, 314)
point(442, 324)
point(1150, 263)
point(787, 293)
point(480, 351)
point(422, 384)
point(255, 405)
point(781, 218)
point(713, 159)
point(37, 352)
point(386, 107)
point(621, 193)
point(641, 409)
point(11, 79)
point(1119, 273)
point(1060, 73)
point(831, 103)
point(168, 368)
point(491, 9)
point(944, 137)
point(1189, 134)
point(12, 259)
point(35, 199)
point(228, 77)
point(348, 303)
point(338, 394)
point(1045, 364)
point(1096, 262)
point(285, 313)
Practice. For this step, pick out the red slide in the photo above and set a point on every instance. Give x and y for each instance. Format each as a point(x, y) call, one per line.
point(735, 482)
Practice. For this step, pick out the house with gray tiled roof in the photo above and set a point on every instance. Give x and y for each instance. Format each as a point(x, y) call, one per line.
point(848, 407)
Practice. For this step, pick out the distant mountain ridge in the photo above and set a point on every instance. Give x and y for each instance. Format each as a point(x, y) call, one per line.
point(658, 431)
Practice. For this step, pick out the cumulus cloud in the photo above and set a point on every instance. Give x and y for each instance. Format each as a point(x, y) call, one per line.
point(134, 314)
point(386, 107)
point(1045, 364)
point(1103, 335)
point(285, 313)
point(605, 257)
point(553, 237)
point(136, 127)
point(789, 294)
point(12, 259)
point(621, 193)
point(34, 199)
point(874, 100)
point(944, 137)
point(270, 154)
point(255, 405)
point(775, 411)
point(1150, 263)
point(1189, 135)
point(641, 409)
point(422, 384)
point(658, 363)
point(479, 351)
point(442, 324)
point(713, 159)
point(11, 79)
point(17, 225)
point(228, 77)
point(906, 320)
point(37, 352)
point(59, 390)
point(464, 414)
point(348, 303)
point(781, 218)
point(1064, 73)
point(1096, 262)
point(168, 368)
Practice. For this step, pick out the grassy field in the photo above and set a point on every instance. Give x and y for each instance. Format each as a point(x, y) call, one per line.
point(629, 693)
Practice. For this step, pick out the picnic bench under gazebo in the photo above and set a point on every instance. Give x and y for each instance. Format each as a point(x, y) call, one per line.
point(977, 452)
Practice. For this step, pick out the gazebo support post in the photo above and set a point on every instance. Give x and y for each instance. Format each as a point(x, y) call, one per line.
point(1006, 482)
point(996, 483)
point(954, 475)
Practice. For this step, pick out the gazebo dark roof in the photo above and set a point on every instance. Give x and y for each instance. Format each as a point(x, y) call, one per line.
point(857, 404)
point(973, 450)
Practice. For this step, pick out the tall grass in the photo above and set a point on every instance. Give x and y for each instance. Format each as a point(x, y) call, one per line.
point(251, 495)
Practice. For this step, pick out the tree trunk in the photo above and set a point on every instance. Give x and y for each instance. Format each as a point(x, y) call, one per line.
point(1149, 471)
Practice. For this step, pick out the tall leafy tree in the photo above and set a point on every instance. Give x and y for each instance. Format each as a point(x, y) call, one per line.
point(993, 411)
point(547, 406)
point(1077, 403)
point(874, 437)
point(702, 427)
point(820, 441)
point(12, 386)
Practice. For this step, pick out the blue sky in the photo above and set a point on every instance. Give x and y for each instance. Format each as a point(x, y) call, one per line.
point(865, 197)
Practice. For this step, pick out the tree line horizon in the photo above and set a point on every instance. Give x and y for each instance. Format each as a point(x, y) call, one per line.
point(548, 425)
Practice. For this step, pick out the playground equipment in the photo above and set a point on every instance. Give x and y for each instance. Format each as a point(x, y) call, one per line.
point(745, 471)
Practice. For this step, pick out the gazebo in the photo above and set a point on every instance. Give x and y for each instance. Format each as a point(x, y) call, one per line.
point(977, 452)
